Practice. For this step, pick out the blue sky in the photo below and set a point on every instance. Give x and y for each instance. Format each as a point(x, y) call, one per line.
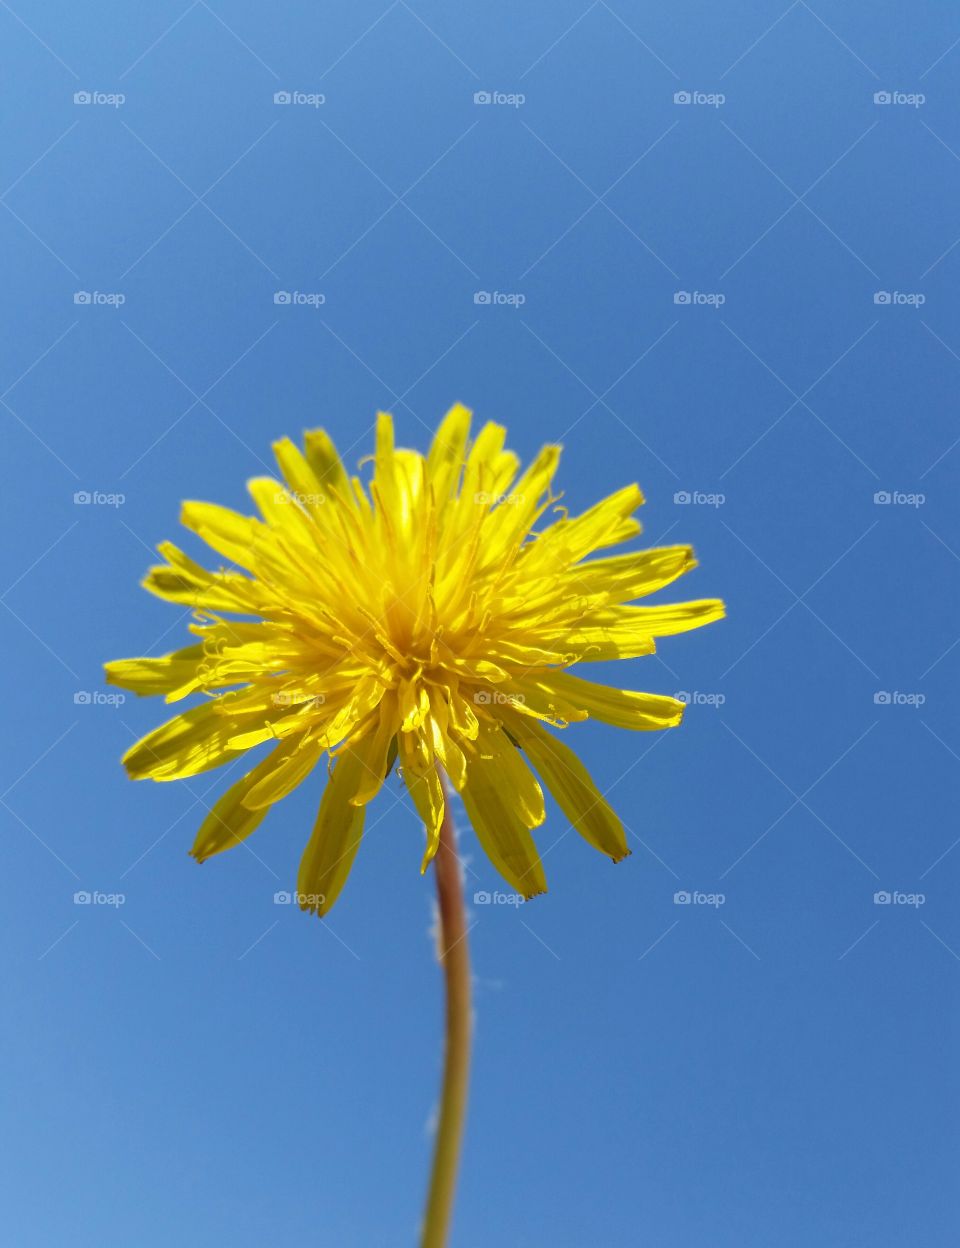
point(719, 244)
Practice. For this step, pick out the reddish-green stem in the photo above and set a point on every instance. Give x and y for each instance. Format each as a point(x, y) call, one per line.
point(455, 961)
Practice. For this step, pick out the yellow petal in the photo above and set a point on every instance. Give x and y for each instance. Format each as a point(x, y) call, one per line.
point(601, 642)
point(660, 621)
point(290, 764)
point(628, 632)
point(372, 748)
point(535, 694)
point(607, 523)
point(193, 742)
point(300, 477)
point(227, 532)
point(623, 708)
point(482, 474)
point(500, 830)
point(462, 715)
point(624, 577)
point(163, 674)
point(516, 511)
point(445, 748)
point(574, 791)
point(186, 582)
point(365, 695)
point(423, 783)
point(326, 464)
point(280, 510)
point(514, 776)
point(230, 821)
point(335, 840)
point(448, 452)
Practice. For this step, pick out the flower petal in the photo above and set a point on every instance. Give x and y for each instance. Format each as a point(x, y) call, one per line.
point(513, 515)
point(290, 764)
point(372, 748)
point(573, 789)
point(448, 452)
point(227, 532)
point(607, 523)
point(629, 632)
point(500, 829)
point(625, 577)
point(624, 708)
point(310, 493)
point(515, 777)
point(603, 642)
point(423, 783)
point(185, 582)
point(196, 741)
point(660, 621)
point(327, 467)
point(230, 821)
point(336, 838)
point(164, 674)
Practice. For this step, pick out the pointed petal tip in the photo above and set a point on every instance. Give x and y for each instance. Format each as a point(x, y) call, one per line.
point(430, 852)
point(133, 772)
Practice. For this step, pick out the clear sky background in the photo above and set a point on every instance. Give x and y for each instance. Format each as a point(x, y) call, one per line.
point(201, 1066)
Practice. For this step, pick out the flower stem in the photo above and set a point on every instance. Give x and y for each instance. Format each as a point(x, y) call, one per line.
point(455, 960)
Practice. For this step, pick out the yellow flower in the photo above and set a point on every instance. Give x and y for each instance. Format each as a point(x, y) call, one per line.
point(420, 619)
